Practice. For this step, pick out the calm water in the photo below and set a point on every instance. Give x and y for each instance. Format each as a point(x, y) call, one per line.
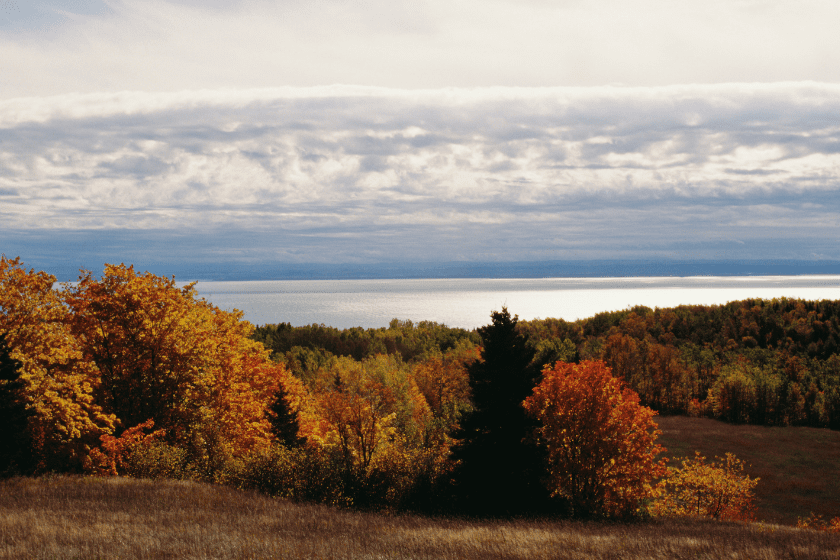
point(468, 303)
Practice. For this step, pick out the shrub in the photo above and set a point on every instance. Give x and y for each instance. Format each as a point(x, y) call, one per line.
point(817, 523)
point(158, 460)
point(111, 457)
point(301, 474)
point(719, 489)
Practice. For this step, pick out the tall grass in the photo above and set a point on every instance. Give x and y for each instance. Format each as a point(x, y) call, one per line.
point(71, 517)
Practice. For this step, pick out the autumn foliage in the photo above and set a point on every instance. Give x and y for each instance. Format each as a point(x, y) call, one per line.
point(817, 523)
point(58, 384)
point(112, 456)
point(129, 373)
point(601, 443)
point(718, 489)
point(161, 354)
point(771, 362)
point(104, 356)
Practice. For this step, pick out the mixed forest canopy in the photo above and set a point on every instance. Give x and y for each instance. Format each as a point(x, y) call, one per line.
point(129, 374)
point(772, 362)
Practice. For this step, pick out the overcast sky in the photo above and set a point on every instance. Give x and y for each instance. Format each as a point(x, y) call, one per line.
point(338, 131)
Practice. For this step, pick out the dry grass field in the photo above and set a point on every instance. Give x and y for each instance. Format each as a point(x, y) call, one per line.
point(101, 518)
point(799, 467)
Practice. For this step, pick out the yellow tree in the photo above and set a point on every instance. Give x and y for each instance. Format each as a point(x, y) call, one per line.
point(356, 407)
point(164, 355)
point(601, 442)
point(58, 381)
point(239, 382)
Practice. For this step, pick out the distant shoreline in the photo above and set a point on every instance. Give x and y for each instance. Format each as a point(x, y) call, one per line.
point(242, 271)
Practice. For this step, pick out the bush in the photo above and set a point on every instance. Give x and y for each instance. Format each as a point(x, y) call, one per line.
point(699, 489)
point(300, 474)
point(817, 523)
point(158, 460)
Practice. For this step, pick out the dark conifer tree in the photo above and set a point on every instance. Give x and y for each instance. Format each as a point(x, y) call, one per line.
point(15, 446)
point(500, 467)
point(284, 421)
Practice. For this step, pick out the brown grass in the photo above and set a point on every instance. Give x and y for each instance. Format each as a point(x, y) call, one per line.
point(799, 467)
point(71, 517)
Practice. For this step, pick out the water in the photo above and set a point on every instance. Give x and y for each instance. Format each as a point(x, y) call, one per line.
point(467, 303)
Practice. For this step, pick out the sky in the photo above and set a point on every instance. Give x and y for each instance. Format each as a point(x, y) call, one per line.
point(329, 131)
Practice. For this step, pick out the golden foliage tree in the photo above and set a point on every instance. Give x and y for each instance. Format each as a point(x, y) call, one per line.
point(164, 355)
point(59, 383)
point(601, 442)
point(358, 410)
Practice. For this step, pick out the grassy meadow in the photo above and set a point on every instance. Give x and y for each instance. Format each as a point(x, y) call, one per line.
point(799, 467)
point(85, 518)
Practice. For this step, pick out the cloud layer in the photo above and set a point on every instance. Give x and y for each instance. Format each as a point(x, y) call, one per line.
point(59, 46)
point(372, 174)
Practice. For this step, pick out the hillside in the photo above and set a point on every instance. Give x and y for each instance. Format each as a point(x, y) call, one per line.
point(797, 466)
point(67, 517)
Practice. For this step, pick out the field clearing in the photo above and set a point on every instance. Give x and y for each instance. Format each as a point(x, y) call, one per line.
point(799, 467)
point(72, 517)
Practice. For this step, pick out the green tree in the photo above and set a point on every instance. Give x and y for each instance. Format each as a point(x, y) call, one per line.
point(15, 444)
point(499, 466)
point(285, 423)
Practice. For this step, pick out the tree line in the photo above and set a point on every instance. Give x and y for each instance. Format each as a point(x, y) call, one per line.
point(771, 362)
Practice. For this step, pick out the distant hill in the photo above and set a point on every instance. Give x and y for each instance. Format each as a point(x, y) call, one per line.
point(66, 269)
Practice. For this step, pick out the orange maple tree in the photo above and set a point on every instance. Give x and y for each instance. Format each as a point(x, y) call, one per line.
point(443, 379)
point(601, 442)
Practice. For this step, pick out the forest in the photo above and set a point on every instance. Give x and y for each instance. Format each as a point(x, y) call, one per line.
point(767, 362)
point(128, 374)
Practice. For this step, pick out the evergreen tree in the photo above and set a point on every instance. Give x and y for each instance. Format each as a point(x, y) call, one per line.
point(500, 467)
point(15, 447)
point(284, 421)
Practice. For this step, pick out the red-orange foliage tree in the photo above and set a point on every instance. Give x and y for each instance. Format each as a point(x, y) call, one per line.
point(601, 442)
point(444, 381)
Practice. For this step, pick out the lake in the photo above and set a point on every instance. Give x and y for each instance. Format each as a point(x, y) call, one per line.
point(467, 303)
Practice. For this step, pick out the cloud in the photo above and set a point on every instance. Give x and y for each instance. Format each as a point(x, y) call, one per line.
point(44, 15)
point(364, 173)
point(62, 46)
